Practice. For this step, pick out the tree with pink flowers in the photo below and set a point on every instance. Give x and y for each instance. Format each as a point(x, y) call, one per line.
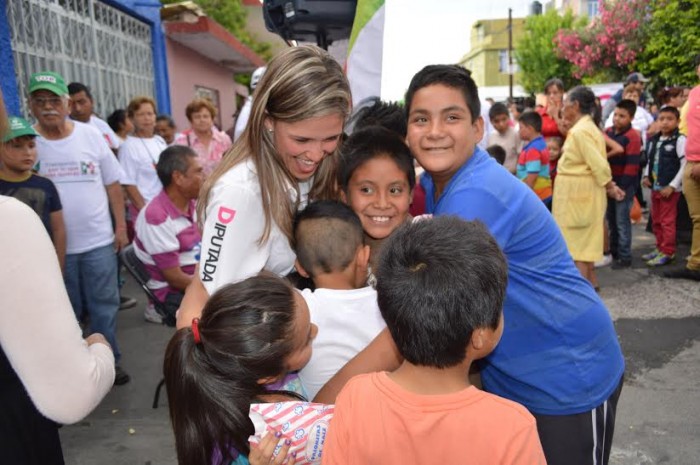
point(608, 46)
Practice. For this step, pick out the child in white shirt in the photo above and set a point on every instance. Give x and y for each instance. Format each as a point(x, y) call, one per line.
point(328, 239)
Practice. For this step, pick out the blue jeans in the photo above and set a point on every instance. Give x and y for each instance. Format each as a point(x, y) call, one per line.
point(620, 225)
point(93, 287)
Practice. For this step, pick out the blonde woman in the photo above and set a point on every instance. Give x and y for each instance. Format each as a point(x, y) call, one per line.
point(285, 156)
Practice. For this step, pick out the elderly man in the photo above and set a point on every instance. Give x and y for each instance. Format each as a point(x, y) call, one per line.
point(77, 159)
point(167, 238)
point(82, 109)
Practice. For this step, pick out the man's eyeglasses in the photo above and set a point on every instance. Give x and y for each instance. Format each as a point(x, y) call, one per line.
point(41, 101)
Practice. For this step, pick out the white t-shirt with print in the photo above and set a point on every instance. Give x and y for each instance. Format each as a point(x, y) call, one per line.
point(234, 223)
point(138, 157)
point(80, 166)
point(112, 140)
point(347, 320)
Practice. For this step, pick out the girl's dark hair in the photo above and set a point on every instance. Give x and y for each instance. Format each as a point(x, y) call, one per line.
point(370, 143)
point(246, 333)
point(117, 119)
point(585, 98)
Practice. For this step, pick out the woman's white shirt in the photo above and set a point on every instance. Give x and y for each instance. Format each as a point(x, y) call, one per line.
point(65, 378)
point(232, 229)
point(138, 157)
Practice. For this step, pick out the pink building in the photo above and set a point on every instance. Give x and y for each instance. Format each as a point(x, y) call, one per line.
point(202, 59)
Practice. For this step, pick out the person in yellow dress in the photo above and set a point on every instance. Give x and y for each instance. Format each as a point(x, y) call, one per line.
point(583, 180)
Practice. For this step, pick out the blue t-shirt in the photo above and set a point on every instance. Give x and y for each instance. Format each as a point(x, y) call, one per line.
point(559, 353)
point(36, 191)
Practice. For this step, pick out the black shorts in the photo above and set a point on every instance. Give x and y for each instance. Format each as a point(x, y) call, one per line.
point(580, 439)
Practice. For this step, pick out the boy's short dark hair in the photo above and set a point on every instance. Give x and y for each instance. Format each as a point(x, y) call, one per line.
point(628, 105)
point(370, 143)
point(454, 76)
point(498, 109)
point(173, 158)
point(532, 119)
point(438, 280)
point(77, 87)
point(497, 152)
point(389, 115)
point(167, 118)
point(326, 237)
point(673, 110)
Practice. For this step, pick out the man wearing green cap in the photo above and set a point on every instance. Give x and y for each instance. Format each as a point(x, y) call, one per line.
point(77, 159)
point(17, 159)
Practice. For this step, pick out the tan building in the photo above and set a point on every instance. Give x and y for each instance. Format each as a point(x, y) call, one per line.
point(488, 57)
point(578, 7)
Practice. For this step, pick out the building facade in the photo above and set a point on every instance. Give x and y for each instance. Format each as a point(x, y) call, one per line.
point(488, 57)
point(202, 60)
point(115, 47)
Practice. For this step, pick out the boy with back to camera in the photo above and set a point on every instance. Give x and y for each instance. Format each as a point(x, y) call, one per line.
point(663, 175)
point(441, 284)
point(625, 173)
point(328, 241)
point(504, 135)
point(533, 161)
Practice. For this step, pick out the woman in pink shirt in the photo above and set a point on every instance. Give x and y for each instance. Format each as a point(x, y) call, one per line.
point(204, 138)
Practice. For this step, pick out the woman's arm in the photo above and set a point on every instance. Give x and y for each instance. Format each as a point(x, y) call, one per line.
point(380, 355)
point(192, 304)
point(65, 376)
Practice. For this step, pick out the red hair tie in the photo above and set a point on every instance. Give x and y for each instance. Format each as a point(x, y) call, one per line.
point(195, 331)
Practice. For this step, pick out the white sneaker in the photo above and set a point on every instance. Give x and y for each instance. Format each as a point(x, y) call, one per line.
point(605, 261)
point(151, 315)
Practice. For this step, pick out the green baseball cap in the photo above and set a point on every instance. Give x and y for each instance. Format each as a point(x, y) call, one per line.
point(48, 80)
point(18, 127)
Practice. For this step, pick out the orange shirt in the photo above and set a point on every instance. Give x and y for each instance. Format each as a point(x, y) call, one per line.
point(378, 422)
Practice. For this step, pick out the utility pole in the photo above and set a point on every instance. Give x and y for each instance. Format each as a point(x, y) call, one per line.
point(510, 53)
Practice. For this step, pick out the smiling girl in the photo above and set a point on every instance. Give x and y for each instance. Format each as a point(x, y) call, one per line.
point(376, 178)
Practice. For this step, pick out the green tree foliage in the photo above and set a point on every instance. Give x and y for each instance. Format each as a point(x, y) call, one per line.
point(674, 41)
point(232, 16)
point(536, 55)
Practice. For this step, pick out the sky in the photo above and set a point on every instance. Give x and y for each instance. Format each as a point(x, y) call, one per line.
point(422, 32)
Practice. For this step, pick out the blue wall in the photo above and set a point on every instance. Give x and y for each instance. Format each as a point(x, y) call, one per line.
point(145, 10)
point(7, 64)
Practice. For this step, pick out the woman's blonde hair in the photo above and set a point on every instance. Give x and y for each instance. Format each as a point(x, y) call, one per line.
point(300, 83)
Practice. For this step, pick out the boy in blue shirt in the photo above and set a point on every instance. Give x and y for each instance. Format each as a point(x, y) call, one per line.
point(18, 180)
point(559, 355)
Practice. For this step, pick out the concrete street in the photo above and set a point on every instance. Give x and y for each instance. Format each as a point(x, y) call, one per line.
point(658, 322)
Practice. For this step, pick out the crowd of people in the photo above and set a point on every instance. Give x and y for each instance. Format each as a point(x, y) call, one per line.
point(449, 316)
